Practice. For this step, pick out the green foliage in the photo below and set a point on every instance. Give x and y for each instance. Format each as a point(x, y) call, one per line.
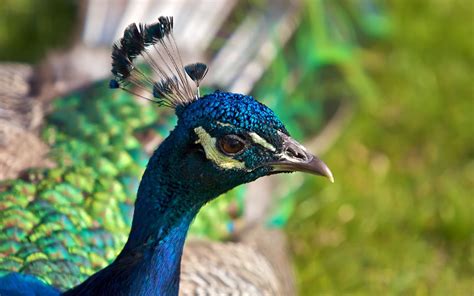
point(28, 28)
point(314, 74)
point(398, 220)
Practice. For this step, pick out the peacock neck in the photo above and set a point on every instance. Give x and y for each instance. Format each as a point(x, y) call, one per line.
point(149, 264)
point(160, 224)
point(164, 208)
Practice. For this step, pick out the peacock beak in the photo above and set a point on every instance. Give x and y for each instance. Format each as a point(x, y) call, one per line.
point(295, 158)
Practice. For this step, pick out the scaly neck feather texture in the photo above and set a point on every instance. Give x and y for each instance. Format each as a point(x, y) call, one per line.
point(149, 264)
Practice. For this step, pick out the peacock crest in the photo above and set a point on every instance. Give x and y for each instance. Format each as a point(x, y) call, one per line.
point(156, 45)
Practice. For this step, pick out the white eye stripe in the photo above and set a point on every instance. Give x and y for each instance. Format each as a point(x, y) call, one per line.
point(256, 138)
point(261, 141)
point(225, 124)
point(213, 154)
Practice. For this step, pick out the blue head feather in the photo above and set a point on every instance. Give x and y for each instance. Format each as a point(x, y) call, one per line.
point(222, 113)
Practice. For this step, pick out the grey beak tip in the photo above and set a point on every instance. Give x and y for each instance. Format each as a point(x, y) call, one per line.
point(322, 169)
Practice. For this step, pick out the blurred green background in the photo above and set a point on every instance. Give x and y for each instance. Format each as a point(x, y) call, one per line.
point(28, 28)
point(399, 219)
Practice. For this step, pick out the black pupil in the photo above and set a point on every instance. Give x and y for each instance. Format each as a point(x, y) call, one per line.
point(231, 144)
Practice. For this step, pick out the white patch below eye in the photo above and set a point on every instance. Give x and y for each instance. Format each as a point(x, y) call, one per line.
point(213, 154)
point(261, 141)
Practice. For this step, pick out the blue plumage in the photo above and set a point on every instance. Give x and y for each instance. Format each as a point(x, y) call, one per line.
point(237, 109)
point(16, 284)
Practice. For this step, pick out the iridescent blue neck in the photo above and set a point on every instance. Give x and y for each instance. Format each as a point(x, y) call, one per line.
point(149, 264)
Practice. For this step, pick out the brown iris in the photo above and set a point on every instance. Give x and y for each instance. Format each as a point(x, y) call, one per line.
point(231, 144)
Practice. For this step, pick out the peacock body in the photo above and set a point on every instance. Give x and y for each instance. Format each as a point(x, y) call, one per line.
point(221, 140)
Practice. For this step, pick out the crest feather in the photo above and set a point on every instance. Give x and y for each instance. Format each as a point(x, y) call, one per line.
point(155, 44)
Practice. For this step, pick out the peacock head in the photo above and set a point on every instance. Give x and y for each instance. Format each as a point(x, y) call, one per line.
point(225, 139)
point(222, 139)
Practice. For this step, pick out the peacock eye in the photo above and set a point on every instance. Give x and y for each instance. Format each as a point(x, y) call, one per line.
point(231, 144)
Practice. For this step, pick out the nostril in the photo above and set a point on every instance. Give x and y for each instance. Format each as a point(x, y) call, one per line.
point(294, 152)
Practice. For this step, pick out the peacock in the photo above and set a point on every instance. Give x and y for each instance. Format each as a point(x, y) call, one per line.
point(221, 140)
